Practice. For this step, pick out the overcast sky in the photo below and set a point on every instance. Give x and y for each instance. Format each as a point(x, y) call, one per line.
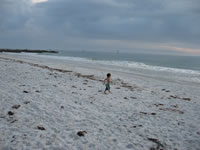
point(151, 26)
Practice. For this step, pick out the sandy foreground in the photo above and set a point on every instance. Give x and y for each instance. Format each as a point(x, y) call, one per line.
point(45, 105)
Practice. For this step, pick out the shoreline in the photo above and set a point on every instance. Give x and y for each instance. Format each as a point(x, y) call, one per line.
point(26, 51)
point(43, 100)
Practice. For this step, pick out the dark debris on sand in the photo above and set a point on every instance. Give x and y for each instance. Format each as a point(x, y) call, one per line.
point(26, 102)
point(159, 146)
point(13, 121)
point(40, 128)
point(16, 106)
point(159, 105)
point(145, 113)
point(171, 109)
point(10, 113)
point(153, 113)
point(81, 133)
point(165, 90)
point(133, 97)
point(177, 97)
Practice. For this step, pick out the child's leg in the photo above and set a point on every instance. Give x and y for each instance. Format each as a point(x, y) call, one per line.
point(105, 91)
point(109, 88)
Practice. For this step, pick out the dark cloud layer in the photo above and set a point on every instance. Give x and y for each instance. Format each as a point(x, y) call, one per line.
point(62, 24)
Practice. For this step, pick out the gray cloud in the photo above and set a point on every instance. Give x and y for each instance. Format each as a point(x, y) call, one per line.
point(58, 23)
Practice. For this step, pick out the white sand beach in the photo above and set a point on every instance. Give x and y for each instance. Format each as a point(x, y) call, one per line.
point(45, 102)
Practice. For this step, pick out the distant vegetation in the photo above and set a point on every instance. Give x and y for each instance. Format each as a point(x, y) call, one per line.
point(26, 51)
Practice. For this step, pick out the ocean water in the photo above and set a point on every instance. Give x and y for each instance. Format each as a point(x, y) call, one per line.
point(162, 67)
point(180, 69)
point(135, 59)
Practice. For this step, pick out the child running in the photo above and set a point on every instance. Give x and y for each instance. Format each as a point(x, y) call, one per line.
point(107, 83)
